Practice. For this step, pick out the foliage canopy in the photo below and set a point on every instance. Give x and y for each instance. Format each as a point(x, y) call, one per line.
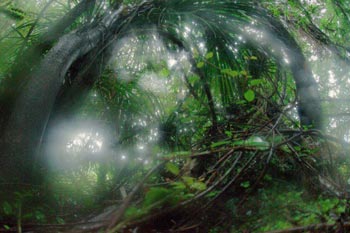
point(153, 108)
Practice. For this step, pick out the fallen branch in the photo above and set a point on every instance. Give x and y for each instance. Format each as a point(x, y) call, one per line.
point(322, 227)
point(126, 203)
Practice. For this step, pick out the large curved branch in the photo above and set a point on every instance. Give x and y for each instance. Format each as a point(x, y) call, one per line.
point(34, 105)
point(309, 102)
point(30, 58)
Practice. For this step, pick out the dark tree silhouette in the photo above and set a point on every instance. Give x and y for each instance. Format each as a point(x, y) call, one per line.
point(81, 55)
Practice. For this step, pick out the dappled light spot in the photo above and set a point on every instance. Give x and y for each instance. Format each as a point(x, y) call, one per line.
point(86, 141)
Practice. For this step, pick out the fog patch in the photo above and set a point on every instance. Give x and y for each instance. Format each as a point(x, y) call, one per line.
point(152, 82)
point(153, 65)
point(72, 143)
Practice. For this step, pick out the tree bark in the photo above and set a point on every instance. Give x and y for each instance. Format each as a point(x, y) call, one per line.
point(30, 58)
point(28, 120)
point(309, 101)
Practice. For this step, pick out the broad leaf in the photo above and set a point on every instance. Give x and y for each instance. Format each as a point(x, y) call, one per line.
point(209, 55)
point(155, 195)
point(249, 95)
point(172, 168)
point(232, 73)
point(200, 64)
point(200, 186)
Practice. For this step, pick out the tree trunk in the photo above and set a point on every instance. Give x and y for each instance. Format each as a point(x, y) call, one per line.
point(28, 120)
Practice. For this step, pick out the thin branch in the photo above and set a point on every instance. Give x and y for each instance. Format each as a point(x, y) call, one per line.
point(119, 214)
point(322, 227)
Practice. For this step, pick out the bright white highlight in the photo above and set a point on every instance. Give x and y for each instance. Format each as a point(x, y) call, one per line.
point(70, 143)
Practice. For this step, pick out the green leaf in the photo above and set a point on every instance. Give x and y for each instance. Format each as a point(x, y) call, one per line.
point(267, 177)
point(200, 64)
point(277, 139)
point(245, 184)
point(195, 53)
point(209, 55)
point(155, 195)
point(179, 185)
point(188, 180)
point(258, 142)
point(220, 143)
point(178, 154)
point(256, 82)
point(188, 195)
point(7, 227)
point(243, 72)
point(253, 58)
point(253, 141)
point(326, 205)
point(285, 148)
point(228, 133)
point(241, 102)
point(232, 73)
point(249, 95)
point(212, 194)
point(7, 208)
point(200, 186)
point(165, 72)
point(39, 215)
point(134, 211)
point(172, 168)
point(193, 78)
point(60, 220)
point(238, 143)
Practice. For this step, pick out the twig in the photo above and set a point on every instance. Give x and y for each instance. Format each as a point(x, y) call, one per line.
point(322, 227)
point(119, 214)
point(229, 184)
point(202, 194)
point(173, 209)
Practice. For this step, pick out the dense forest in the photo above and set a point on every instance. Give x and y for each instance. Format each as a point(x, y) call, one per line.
point(174, 116)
